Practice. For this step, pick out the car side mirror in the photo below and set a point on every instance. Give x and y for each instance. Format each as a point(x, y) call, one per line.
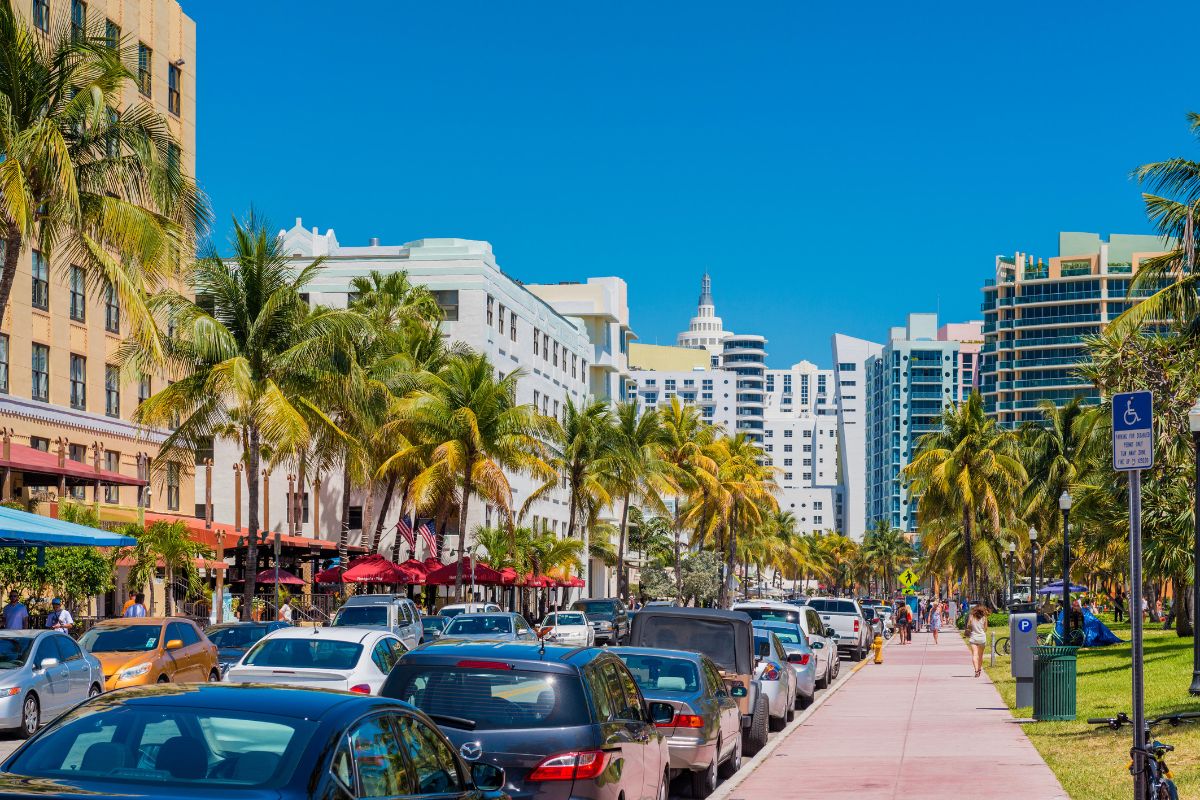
point(47, 663)
point(830, 632)
point(738, 691)
point(661, 713)
point(816, 645)
point(174, 644)
point(487, 777)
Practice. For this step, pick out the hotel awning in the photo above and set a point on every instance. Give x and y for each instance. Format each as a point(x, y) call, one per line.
point(22, 529)
point(31, 461)
point(208, 536)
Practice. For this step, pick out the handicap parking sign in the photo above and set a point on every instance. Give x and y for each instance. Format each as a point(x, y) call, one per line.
point(1133, 431)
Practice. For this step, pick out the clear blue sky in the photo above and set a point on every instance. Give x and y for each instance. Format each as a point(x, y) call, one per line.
point(835, 165)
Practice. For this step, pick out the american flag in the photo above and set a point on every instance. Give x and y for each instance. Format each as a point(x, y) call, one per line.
point(404, 531)
point(426, 531)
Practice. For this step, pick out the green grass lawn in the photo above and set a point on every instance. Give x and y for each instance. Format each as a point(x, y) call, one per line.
point(1090, 763)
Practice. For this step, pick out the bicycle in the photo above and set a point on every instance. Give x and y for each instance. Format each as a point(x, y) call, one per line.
point(1159, 785)
point(1074, 638)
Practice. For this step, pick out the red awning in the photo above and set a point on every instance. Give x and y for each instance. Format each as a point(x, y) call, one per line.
point(209, 536)
point(285, 578)
point(413, 571)
point(373, 569)
point(572, 582)
point(39, 462)
point(446, 575)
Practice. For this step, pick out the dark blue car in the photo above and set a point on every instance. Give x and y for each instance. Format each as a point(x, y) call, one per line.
point(246, 742)
point(233, 639)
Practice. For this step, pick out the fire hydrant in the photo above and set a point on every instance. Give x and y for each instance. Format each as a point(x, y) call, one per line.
point(878, 645)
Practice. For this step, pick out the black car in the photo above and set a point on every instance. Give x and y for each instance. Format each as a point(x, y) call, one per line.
point(218, 740)
point(608, 617)
point(233, 639)
point(561, 722)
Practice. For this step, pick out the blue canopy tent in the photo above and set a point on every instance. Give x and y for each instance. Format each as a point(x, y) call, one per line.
point(22, 529)
point(1056, 588)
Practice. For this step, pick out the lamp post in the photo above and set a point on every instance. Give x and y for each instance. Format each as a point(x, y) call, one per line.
point(1033, 567)
point(1194, 424)
point(1012, 552)
point(1064, 503)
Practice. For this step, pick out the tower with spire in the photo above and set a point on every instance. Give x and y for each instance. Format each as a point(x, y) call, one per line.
point(705, 329)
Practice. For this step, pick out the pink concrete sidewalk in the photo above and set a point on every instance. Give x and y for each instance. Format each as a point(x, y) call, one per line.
point(917, 726)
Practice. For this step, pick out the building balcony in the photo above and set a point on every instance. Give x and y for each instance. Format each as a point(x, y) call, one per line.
point(1005, 324)
point(1047, 341)
point(1053, 383)
point(1063, 319)
point(1065, 297)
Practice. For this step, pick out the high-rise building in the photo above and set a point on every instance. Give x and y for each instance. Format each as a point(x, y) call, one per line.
point(850, 358)
point(65, 406)
point(1037, 313)
point(908, 386)
point(969, 336)
point(745, 355)
point(705, 330)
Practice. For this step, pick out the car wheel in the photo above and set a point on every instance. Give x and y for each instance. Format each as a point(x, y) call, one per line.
point(835, 670)
point(756, 736)
point(31, 717)
point(806, 700)
point(163, 679)
point(705, 783)
point(732, 764)
point(791, 712)
point(94, 691)
point(664, 788)
point(214, 676)
point(777, 723)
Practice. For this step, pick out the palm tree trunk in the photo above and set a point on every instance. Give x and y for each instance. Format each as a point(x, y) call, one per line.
point(170, 589)
point(678, 572)
point(970, 555)
point(462, 532)
point(621, 591)
point(344, 539)
point(1181, 605)
point(12, 242)
point(388, 491)
point(252, 479)
point(396, 542)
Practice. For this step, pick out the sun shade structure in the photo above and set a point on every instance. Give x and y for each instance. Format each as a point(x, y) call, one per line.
point(22, 529)
point(373, 569)
point(285, 578)
point(445, 575)
point(413, 571)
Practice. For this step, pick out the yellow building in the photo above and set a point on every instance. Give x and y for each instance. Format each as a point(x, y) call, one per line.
point(663, 358)
point(59, 389)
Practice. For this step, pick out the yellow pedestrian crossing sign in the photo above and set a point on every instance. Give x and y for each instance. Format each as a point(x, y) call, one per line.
point(909, 591)
point(908, 577)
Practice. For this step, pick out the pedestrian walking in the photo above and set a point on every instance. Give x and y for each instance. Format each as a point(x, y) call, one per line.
point(59, 618)
point(977, 635)
point(935, 621)
point(138, 607)
point(16, 615)
point(1119, 607)
point(904, 617)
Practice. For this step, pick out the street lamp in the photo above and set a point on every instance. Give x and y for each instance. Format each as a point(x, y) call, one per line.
point(1012, 551)
point(1033, 567)
point(1194, 424)
point(1064, 503)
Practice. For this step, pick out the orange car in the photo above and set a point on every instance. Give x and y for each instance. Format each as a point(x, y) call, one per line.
point(137, 651)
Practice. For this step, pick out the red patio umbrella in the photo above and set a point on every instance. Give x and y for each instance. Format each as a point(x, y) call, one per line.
point(432, 563)
point(373, 569)
point(446, 574)
point(285, 578)
point(330, 575)
point(508, 576)
point(413, 571)
point(572, 582)
point(537, 581)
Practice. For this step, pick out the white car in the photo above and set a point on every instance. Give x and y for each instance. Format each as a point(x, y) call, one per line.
point(351, 659)
point(454, 609)
point(567, 627)
point(829, 662)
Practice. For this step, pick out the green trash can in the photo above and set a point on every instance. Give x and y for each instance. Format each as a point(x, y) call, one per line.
point(1054, 683)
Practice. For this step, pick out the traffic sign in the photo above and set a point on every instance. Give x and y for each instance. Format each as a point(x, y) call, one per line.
point(1133, 431)
point(908, 577)
point(1025, 626)
point(909, 591)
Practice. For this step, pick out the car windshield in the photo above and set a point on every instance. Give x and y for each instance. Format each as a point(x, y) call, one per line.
point(662, 673)
point(306, 653)
point(563, 618)
point(787, 636)
point(604, 609)
point(772, 614)
point(126, 637)
point(834, 606)
point(14, 650)
point(762, 646)
point(357, 616)
point(493, 698)
point(478, 626)
point(167, 747)
point(432, 623)
point(869, 612)
point(238, 637)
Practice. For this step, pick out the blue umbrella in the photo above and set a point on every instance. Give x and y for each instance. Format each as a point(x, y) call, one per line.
point(1056, 588)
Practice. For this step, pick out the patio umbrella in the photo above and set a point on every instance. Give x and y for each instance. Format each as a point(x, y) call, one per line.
point(1056, 588)
point(413, 571)
point(373, 569)
point(432, 563)
point(446, 574)
point(537, 581)
point(285, 578)
point(573, 582)
point(329, 575)
point(508, 576)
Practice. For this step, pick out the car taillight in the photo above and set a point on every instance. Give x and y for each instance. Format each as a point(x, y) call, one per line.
point(802, 660)
point(576, 765)
point(771, 673)
point(361, 688)
point(856, 626)
point(684, 721)
point(469, 664)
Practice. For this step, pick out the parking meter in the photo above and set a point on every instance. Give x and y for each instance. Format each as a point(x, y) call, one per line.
point(1022, 638)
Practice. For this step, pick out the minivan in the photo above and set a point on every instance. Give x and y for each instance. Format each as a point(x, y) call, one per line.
point(393, 612)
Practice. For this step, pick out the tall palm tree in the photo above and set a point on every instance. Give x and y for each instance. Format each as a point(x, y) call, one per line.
point(86, 186)
point(244, 355)
point(476, 430)
point(970, 470)
point(170, 545)
point(1055, 452)
point(686, 435)
point(888, 551)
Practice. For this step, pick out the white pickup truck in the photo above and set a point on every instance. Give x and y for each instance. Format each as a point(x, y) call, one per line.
point(853, 632)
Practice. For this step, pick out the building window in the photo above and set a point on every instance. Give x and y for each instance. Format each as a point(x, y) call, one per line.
point(172, 486)
point(78, 382)
point(787, 462)
point(112, 463)
point(78, 294)
point(502, 319)
point(545, 347)
point(354, 519)
point(112, 391)
point(512, 325)
point(818, 505)
point(204, 451)
point(787, 448)
point(145, 70)
point(447, 300)
point(41, 15)
point(174, 80)
point(112, 34)
point(78, 19)
point(574, 366)
point(77, 453)
point(555, 362)
point(3, 363)
point(144, 389)
point(537, 396)
point(787, 476)
point(490, 303)
point(41, 281)
point(41, 373)
point(787, 434)
point(112, 311)
point(537, 335)
point(39, 443)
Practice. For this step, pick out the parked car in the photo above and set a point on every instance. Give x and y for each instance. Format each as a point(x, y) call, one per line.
point(801, 657)
point(561, 722)
point(704, 737)
point(854, 635)
point(351, 659)
point(829, 661)
point(608, 617)
point(726, 637)
point(139, 650)
point(500, 626)
point(233, 639)
point(42, 673)
point(660, 604)
point(454, 609)
point(871, 615)
point(888, 615)
point(773, 610)
point(567, 627)
point(775, 677)
point(247, 742)
point(432, 625)
point(392, 612)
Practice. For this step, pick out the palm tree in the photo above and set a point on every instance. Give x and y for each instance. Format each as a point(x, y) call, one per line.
point(888, 550)
point(171, 545)
point(244, 356)
point(970, 470)
point(686, 435)
point(476, 430)
point(1054, 453)
point(100, 190)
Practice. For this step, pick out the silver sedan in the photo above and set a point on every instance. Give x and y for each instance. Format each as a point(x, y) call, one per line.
point(42, 674)
point(500, 626)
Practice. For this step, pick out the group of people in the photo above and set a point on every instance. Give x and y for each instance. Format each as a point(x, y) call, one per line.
point(931, 614)
point(15, 615)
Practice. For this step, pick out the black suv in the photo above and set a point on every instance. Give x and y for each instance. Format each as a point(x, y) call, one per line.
point(608, 617)
point(562, 722)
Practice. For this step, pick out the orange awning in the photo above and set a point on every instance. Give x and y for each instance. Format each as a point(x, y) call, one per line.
point(208, 537)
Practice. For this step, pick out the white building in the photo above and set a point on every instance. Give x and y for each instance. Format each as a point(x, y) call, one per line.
point(849, 357)
point(705, 329)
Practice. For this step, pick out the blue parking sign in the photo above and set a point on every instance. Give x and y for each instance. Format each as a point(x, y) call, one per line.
point(1133, 431)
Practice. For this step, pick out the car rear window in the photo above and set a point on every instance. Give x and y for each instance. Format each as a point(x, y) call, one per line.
point(601, 609)
point(478, 626)
point(772, 614)
point(304, 654)
point(492, 698)
point(662, 673)
point(353, 616)
point(786, 635)
point(714, 638)
point(237, 636)
point(833, 606)
point(564, 618)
